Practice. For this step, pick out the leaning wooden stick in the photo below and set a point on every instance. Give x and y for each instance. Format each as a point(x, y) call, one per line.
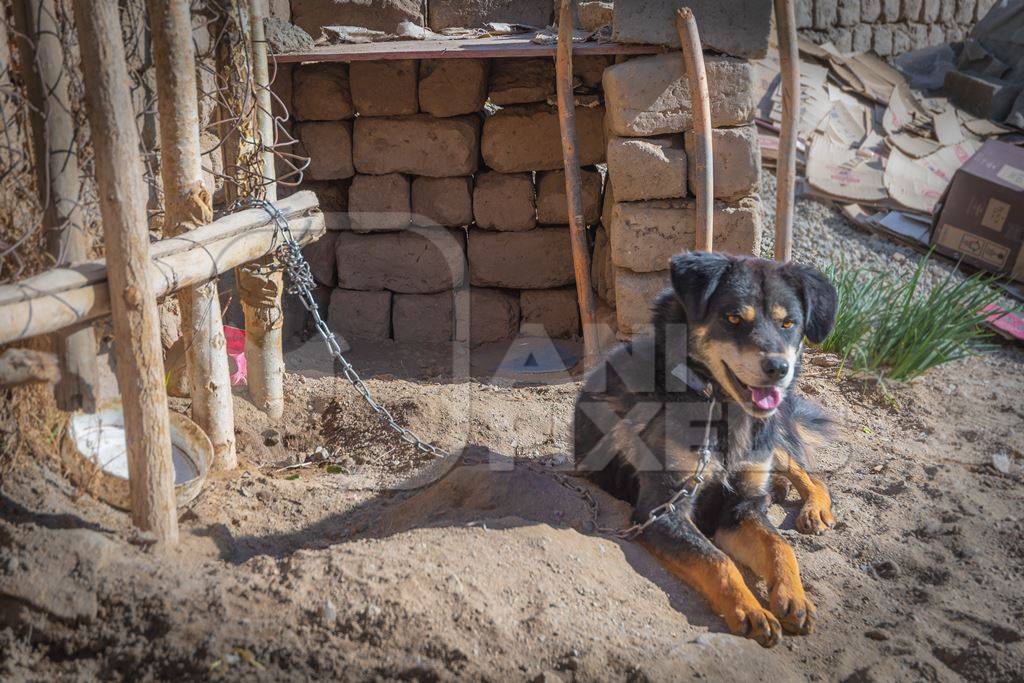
point(123, 196)
point(573, 185)
point(700, 105)
point(188, 205)
point(789, 60)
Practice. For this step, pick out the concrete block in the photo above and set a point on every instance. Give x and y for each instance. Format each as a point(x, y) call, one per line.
point(379, 202)
point(493, 315)
point(360, 315)
point(804, 11)
point(418, 145)
point(826, 13)
point(329, 146)
point(602, 270)
point(321, 92)
point(504, 201)
point(322, 260)
point(647, 168)
point(910, 10)
point(988, 98)
point(649, 96)
point(890, 10)
point(930, 11)
point(871, 10)
point(521, 81)
point(556, 310)
point(443, 201)
point(861, 38)
point(882, 43)
point(552, 206)
point(475, 13)
point(848, 12)
point(737, 28)
point(385, 88)
point(414, 261)
point(644, 235)
point(535, 259)
point(380, 15)
point(634, 295)
point(451, 87)
point(422, 317)
point(735, 157)
point(528, 138)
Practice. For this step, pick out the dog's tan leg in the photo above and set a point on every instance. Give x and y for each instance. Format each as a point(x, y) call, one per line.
point(816, 514)
point(756, 544)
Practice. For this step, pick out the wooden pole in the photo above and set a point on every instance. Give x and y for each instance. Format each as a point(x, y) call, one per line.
point(187, 205)
point(264, 99)
point(123, 195)
point(573, 186)
point(57, 182)
point(789, 61)
point(259, 290)
point(700, 105)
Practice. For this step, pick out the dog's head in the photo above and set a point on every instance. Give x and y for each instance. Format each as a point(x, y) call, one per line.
point(747, 319)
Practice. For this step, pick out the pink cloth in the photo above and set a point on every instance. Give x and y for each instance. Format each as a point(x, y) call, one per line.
point(236, 352)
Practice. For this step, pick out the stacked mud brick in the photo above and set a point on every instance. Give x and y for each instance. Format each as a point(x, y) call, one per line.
point(426, 193)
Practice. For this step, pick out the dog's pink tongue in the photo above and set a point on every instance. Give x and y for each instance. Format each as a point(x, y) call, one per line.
point(766, 398)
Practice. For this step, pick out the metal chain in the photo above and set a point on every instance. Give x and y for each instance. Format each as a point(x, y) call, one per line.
point(300, 282)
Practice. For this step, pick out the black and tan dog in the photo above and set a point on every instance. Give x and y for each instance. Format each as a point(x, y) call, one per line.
point(727, 343)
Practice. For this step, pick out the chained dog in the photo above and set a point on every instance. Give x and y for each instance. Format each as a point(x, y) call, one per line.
point(691, 425)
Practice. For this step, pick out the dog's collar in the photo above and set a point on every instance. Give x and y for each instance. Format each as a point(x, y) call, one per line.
point(694, 379)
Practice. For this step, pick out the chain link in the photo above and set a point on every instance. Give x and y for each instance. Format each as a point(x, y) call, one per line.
point(300, 282)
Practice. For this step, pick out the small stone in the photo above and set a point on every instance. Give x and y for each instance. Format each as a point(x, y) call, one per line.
point(271, 437)
point(887, 569)
point(876, 634)
point(329, 612)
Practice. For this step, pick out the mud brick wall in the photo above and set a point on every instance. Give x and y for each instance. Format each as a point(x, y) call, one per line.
point(648, 210)
point(889, 27)
point(426, 192)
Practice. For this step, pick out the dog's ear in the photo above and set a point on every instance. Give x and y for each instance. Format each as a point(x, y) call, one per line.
point(695, 276)
point(818, 297)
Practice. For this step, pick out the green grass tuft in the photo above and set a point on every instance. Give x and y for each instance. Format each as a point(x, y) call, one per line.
point(887, 326)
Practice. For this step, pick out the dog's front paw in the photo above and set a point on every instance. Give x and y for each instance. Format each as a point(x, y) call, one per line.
point(756, 623)
point(815, 516)
point(793, 608)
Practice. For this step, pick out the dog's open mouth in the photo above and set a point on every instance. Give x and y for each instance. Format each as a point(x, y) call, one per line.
point(763, 398)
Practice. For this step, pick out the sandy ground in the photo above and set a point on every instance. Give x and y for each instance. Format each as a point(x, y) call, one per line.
point(384, 566)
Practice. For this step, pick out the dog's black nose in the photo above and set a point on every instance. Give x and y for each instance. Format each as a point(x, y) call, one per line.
point(776, 368)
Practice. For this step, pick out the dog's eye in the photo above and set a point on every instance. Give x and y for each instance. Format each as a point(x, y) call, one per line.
point(786, 324)
point(732, 318)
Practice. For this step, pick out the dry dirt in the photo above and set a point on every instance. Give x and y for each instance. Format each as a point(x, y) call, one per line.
point(361, 569)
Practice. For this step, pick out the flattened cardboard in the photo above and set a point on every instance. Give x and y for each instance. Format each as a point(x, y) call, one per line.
point(848, 174)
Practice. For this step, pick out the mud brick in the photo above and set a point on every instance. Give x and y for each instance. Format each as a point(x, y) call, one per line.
point(474, 13)
point(528, 138)
point(379, 15)
point(891, 11)
point(602, 271)
point(842, 38)
point(504, 201)
point(451, 87)
point(385, 88)
point(422, 317)
point(333, 197)
point(735, 28)
point(590, 68)
point(322, 260)
point(929, 11)
point(848, 12)
point(418, 145)
point(804, 13)
point(736, 159)
point(493, 315)
point(556, 310)
point(936, 36)
point(647, 168)
point(329, 146)
point(443, 201)
point(521, 81)
point(861, 41)
point(947, 11)
point(379, 202)
point(882, 43)
point(871, 10)
point(644, 235)
point(298, 322)
point(901, 39)
point(634, 295)
point(321, 92)
point(536, 259)
point(826, 13)
point(552, 206)
point(360, 315)
point(918, 35)
point(910, 10)
point(650, 96)
point(414, 261)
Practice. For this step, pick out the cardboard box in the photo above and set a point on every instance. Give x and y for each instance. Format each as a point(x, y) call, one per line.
point(981, 215)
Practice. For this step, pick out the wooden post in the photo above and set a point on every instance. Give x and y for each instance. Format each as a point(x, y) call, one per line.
point(789, 61)
point(123, 195)
point(700, 106)
point(57, 182)
point(573, 186)
point(259, 290)
point(187, 205)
